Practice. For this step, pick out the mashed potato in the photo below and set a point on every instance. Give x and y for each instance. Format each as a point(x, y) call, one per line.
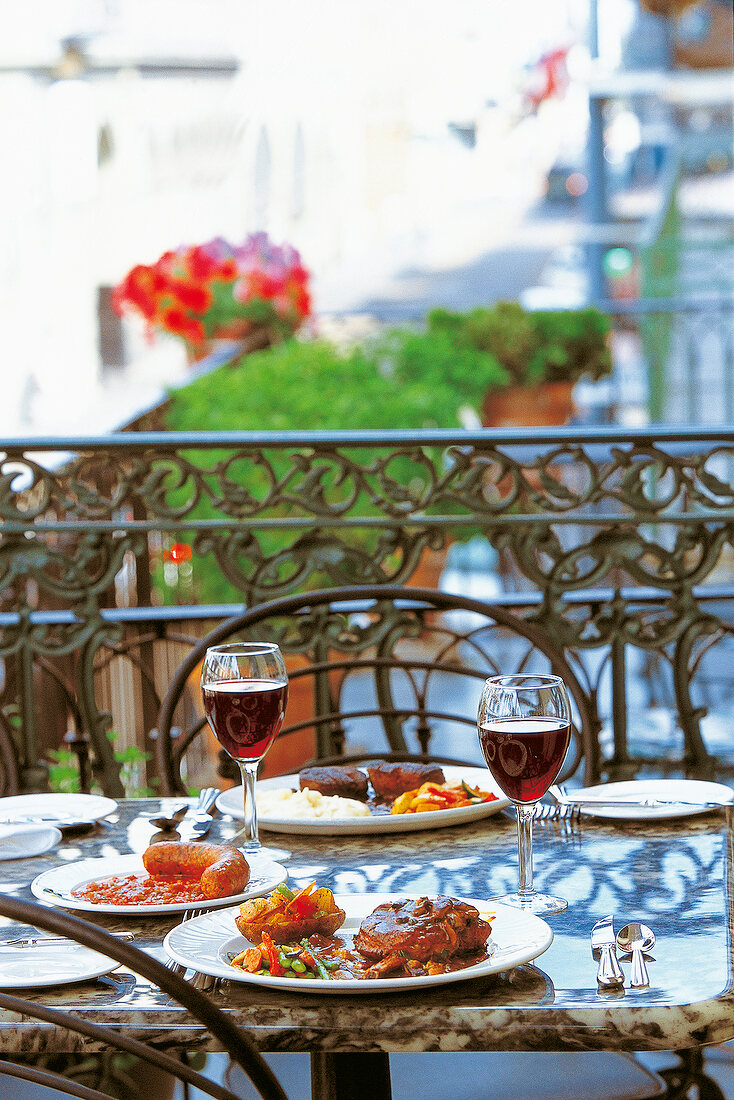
point(282, 803)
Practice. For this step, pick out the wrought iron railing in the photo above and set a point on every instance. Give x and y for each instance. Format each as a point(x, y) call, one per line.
point(618, 542)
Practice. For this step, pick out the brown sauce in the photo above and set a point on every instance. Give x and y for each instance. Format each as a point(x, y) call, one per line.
point(354, 965)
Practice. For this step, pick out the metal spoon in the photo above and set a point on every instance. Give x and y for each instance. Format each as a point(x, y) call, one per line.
point(171, 821)
point(636, 939)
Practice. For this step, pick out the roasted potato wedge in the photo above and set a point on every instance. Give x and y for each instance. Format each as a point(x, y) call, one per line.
point(287, 918)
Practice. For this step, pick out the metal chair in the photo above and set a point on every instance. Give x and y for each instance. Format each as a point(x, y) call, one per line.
point(389, 669)
point(239, 1046)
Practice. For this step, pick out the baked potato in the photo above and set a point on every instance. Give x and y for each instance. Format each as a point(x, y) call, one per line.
point(288, 916)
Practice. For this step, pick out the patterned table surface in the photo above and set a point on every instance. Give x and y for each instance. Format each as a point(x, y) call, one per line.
point(673, 875)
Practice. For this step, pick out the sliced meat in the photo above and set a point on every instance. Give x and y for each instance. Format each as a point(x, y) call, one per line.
point(391, 778)
point(343, 780)
point(422, 928)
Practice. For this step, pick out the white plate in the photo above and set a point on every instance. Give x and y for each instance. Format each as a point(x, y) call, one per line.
point(55, 809)
point(24, 841)
point(204, 943)
point(689, 789)
point(34, 967)
point(230, 802)
point(55, 885)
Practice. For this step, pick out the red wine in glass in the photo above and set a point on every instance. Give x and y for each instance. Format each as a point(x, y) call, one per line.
point(525, 754)
point(244, 688)
point(246, 714)
point(524, 726)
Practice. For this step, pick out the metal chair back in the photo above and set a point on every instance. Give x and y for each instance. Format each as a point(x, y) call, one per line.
point(233, 1039)
point(389, 670)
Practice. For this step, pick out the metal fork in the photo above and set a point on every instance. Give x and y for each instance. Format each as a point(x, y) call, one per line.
point(545, 811)
point(203, 982)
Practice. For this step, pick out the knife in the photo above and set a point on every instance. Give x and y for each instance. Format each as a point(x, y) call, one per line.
point(644, 803)
point(55, 941)
point(609, 972)
point(63, 824)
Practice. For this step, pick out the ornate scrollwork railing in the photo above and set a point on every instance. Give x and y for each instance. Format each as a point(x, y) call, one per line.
point(616, 541)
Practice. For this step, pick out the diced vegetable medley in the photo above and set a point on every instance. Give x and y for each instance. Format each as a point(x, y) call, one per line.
point(440, 796)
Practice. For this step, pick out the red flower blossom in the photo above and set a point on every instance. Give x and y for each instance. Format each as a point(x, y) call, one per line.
point(216, 288)
point(192, 297)
point(179, 322)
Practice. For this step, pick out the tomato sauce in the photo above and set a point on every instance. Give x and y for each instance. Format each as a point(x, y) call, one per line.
point(141, 889)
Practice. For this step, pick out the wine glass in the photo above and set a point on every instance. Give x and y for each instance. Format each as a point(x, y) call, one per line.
point(244, 687)
point(524, 730)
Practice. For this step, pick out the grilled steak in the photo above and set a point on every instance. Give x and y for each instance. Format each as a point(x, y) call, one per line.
point(338, 779)
point(422, 928)
point(391, 778)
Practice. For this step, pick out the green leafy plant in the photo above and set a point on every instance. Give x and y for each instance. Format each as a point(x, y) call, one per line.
point(63, 771)
point(132, 760)
point(530, 347)
point(435, 361)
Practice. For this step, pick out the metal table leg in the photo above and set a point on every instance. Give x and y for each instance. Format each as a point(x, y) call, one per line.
point(350, 1076)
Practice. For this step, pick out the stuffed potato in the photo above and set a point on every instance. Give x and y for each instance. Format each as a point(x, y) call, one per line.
point(287, 915)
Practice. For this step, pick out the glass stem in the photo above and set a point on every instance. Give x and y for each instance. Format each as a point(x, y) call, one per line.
point(248, 771)
point(525, 849)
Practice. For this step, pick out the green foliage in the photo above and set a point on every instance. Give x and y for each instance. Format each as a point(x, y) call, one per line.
point(573, 344)
point(311, 387)
point(63, 771)
point(434, 360)
point(531, 347)
point(132, 767)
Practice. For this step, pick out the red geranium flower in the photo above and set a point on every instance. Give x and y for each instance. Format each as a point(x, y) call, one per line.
point(216, 288)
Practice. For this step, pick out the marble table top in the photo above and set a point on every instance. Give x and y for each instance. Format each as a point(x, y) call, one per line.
point(675, 875)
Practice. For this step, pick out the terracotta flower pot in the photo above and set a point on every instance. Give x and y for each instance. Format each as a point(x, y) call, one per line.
point(550, 403)
point(253, 338)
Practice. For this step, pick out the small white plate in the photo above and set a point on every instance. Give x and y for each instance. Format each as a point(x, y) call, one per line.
point(55, 885)
point(691, 790)
point(230, 802)
point(35, 967)
point(55, 809)
point(24, 841)
point(205, 942)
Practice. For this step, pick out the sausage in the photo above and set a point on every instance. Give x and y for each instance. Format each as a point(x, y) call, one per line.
point(223, 869)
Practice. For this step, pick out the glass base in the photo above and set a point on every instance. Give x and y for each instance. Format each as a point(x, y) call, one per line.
point(257, 849)
point(539, 905)
point(277, 854)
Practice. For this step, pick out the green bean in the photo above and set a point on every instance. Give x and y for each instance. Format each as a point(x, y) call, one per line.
point(323, 972)
point(298, 966)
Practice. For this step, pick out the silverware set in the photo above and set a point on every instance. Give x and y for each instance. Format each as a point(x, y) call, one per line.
point(635, 940)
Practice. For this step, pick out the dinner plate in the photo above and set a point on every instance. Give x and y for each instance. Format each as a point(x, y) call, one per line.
point(55, 809)
point(230, 802)
point(36, 967)
point(691, 790)
point(55, 885)
point(205, 943)
point(26, 840)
